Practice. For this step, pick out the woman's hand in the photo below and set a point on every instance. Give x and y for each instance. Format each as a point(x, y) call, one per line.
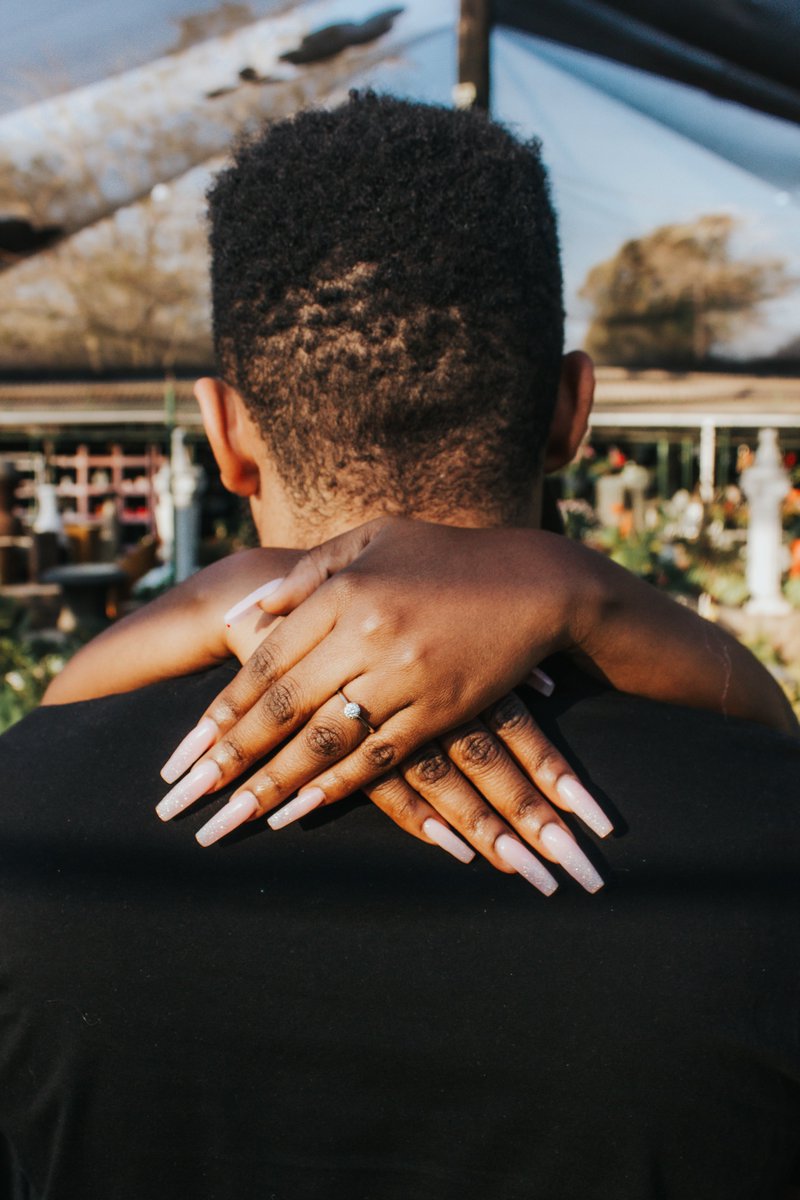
point(418, 639)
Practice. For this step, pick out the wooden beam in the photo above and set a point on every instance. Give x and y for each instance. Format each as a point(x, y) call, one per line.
point(474, 26)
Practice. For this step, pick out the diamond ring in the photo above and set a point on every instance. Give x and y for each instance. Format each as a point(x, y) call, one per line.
point(354, 712)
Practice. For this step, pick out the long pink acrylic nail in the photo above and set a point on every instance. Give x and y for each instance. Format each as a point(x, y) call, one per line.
point(196, 742)
point(251, 601)
point(540, 681)
point(200, 780)
point(448, 841)
point(238, 810)
point(304, 802)
point(578, 800)
point(514, 854)
point(566, 851)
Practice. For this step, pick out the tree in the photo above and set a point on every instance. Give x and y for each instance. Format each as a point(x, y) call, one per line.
point(674, 296)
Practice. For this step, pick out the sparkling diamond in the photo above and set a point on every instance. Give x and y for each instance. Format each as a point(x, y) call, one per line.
point(352, 710)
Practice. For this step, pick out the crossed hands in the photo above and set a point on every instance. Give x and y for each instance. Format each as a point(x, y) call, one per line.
point(392, 672)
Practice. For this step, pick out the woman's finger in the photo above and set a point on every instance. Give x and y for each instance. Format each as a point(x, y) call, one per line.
point(432, 773)
point(412, 813)
point(485, 762)
point(513, 724)
point(330, 739)
point(305, 697)
point(290, 644)
point(309, 573)
point(328, 736)
point(429, 772)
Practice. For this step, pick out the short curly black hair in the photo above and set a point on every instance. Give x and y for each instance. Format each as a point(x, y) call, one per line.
point(387, 300)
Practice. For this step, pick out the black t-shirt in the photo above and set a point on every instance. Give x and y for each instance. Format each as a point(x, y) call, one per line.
point(336, 1011)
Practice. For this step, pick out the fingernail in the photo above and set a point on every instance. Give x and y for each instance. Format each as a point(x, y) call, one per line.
point(575, 795)
point(195, 743)
point(200, 780)
point(303, 803)
point(251, 601)
point(514, 854)
point(448, 841)
point(235, 813)
point(540, 681)
point(566, 851)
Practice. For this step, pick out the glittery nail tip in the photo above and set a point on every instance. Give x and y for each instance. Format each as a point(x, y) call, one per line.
point(566, 851)
point(234, 814)
point(583, 805)
point(303, 803)
point(514, 854)
point(447, 840)
point(201, 779)
point(196, 742)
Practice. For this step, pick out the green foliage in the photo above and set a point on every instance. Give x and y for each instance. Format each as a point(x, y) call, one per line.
point(791, 590)
point(28, 661)
point(668, 299)
point(786, 673)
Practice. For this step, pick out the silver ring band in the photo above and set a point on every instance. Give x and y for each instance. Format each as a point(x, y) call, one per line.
point(354, 712)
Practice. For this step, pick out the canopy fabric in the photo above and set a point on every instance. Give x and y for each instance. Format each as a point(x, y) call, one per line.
point(742, 50)
point(651, 113)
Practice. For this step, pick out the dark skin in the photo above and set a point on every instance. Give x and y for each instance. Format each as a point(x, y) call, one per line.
point(401, 615)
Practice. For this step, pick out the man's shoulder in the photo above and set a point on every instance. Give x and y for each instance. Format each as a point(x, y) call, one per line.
point(680, 781)
point(161, 703)
point(117, 740)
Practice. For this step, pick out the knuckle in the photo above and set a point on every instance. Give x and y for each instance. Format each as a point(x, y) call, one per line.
point(478, 748)
point(263, 666)
point(405, 805)
point(529, 807)
point(379, 753)
point(386, 787)
point(266, 787)
point(325, 741)
point(508, 715)
point(475, 820)
point(430, 766)
point(545, 761)
point(230, 755)
point(396, 798)
point(225, 711)
point(280, 704)
point(371, 623)
point(410, 653)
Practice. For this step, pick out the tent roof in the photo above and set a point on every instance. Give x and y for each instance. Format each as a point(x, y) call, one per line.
point(742, 50)
point(660, 400)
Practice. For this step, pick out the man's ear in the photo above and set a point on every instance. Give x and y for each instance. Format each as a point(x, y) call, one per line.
point(573, 407)
point(231, 435)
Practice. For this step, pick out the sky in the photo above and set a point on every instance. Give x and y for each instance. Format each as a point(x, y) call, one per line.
point(627, 151)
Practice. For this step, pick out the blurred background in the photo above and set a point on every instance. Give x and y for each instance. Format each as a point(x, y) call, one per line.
point(672, 133)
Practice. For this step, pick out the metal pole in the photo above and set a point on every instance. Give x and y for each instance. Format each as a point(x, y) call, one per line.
point(662, 469)
point(708, 454)
point(474, 26)
point(687, 464)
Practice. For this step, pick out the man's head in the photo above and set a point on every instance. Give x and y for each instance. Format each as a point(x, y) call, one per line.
point(387, 305)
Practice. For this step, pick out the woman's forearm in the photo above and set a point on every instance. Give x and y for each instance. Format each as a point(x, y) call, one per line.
point(642, 641)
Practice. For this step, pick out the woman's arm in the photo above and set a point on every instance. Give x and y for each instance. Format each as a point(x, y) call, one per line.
point(180, 632)
point(425, 627)
point(547, 594)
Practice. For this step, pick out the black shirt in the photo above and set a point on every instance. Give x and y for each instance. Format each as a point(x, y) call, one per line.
point(339, 1012)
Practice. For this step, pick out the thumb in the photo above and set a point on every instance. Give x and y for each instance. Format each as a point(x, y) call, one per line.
point(280, 596)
